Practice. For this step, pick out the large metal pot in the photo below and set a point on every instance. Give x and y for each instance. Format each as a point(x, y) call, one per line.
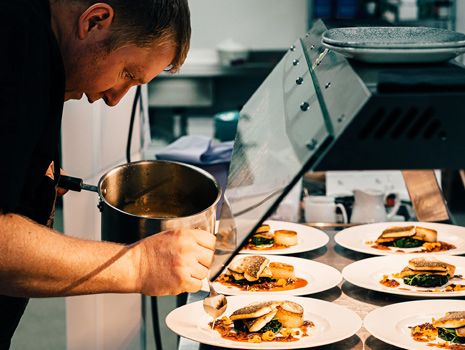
point(142, 198)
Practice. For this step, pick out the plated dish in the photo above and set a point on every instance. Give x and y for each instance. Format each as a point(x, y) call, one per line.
point(422, 325)
point(291, 323)
point(388, 238)
point(279, 275)
point(279, 237)
point(410, 275)
point(268, 321)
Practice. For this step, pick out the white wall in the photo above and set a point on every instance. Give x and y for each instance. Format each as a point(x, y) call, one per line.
point(257, 24)
point(460, 15)
point(94, 141)
point(461, 19)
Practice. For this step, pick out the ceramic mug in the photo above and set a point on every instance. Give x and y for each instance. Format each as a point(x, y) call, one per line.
point(322, 209)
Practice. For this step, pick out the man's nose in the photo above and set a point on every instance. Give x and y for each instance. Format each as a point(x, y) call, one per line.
point(113, 96)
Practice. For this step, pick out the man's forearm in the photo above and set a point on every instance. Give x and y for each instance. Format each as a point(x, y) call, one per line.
point(36, 262)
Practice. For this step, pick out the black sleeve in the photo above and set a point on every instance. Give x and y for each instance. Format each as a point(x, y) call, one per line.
point(24, 82)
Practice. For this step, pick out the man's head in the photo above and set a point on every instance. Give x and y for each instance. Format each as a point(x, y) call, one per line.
point(112, 45)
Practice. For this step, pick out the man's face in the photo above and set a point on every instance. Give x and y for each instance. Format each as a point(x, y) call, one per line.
point(99, 74)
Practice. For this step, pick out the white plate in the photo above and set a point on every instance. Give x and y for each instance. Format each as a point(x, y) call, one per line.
point(398, 55)
point(355, 238)
point(319, 276)
point(390, 323)
point(332, 323)
point(308, 238)
point(367, 273)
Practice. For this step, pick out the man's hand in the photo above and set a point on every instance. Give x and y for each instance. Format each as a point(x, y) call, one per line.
point(50, 171)
point(174, 262)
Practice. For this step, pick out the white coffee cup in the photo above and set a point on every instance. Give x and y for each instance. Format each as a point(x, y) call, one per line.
point(322, 209)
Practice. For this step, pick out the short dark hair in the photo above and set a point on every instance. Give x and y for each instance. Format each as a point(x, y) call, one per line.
point(142, 22)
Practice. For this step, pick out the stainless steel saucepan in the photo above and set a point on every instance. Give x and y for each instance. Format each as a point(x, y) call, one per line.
point(142, 198)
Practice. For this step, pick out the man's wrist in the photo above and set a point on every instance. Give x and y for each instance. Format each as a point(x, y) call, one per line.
point(137, 253)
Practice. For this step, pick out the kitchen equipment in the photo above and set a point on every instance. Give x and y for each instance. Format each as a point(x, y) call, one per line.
point(319, 111)
point(141, 198)
point(231, 52)
point(323, 209)
point(225, 125)
point(369, 206)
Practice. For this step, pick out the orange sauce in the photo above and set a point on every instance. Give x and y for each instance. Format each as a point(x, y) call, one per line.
point(390, 283)
point(447, 346)
point(264, 287)
point(380, 247)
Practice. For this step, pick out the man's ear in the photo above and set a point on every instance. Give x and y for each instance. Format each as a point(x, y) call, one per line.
point(97, 17)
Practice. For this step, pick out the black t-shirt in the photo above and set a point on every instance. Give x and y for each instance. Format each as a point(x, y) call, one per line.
point(32, 85)
point(31, 101)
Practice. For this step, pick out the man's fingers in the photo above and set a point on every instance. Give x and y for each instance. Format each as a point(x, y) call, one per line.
point(199, 271)
point(193, 285)
point(205, 239)
point(205, 257)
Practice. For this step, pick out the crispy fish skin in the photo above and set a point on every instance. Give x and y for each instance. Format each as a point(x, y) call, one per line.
point(265, 235)
point(398, 232)
point(431, 264)
point(263, 228)
point(425, 234)
point(241, 265)
point(254, 325)
point(415, 232)
point(254, 266)
point(453, 319)
point(254, 310)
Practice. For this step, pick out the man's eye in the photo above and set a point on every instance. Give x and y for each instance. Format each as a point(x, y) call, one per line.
point(128, 75)
point(169, 68)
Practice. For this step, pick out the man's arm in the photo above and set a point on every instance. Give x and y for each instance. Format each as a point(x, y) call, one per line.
point(37, 262)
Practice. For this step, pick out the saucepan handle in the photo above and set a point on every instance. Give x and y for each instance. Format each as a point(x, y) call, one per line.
point(75, 184)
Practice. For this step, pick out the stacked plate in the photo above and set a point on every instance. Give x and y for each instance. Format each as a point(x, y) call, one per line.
point(395, 44)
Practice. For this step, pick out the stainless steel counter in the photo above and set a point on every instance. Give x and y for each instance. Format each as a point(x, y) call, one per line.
point(360, 300)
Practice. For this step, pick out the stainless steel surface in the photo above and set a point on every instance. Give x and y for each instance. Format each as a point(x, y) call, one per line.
point(142, 198)
point(360, 300)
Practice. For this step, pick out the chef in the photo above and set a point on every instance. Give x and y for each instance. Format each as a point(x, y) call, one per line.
point(53, 51)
